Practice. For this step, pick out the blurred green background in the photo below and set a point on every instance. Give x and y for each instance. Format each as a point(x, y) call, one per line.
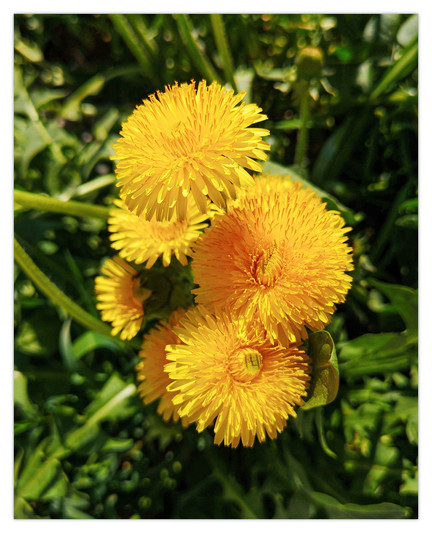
point(340, 93)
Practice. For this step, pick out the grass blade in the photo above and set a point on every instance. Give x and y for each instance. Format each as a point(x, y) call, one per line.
point(135, 45)
point(403, 66)
point(197, 56)
point(223, 49)
point(140, 27)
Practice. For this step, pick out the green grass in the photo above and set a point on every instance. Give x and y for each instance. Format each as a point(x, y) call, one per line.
point(85, 445)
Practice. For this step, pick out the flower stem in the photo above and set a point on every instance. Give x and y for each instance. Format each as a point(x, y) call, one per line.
point(302, 138)
point(58, 297)
point(223, 48)
point(46, 203)
point(190, 42)
point(134, 41)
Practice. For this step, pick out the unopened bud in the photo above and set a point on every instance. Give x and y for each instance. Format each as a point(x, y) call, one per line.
point(309, 63)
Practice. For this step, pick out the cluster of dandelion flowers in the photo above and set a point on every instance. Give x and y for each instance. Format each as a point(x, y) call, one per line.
point(150, 369)
point(120, 297)
point(186, 145)
point(277, 256)
point(144, 241)
point(227, 372)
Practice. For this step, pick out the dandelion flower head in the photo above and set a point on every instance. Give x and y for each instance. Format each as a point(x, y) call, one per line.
point(120, 297)
point(227, 372)
point(277, 255)
point(144, 241)
point(185, 145)
point(150, 370)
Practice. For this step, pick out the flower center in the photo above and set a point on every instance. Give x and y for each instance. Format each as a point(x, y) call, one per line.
point(267, 265)
point(246, 363)
point(180, 141)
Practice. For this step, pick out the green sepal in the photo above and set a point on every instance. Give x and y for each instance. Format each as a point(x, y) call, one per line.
point(324, 384)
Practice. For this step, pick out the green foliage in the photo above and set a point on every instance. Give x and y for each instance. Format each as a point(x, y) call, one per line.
point(85, 445)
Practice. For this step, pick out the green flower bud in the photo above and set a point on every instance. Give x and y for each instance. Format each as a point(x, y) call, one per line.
point(309, 63)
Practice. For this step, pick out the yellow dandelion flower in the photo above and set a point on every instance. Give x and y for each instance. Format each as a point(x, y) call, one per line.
point(227, 372)
point(278, 255)
point(150, 370)
point(120, 297)
point(185, 145)
point(140, 240)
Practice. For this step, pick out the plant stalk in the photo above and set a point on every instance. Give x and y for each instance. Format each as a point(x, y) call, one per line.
point(223, 49)
point(46, 203)
point(303, 134)
point(185, 28)
point(58, 297)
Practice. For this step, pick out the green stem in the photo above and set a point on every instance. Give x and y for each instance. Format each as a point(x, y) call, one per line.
point(223, 49)
point(202, 63)
point(140, 27)
point(302, 137)
point(46, 203)
point(319, 422)
point(403, 66)
point(135, 45)
point(57, 296)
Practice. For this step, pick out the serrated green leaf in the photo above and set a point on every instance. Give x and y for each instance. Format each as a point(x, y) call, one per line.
point(325, 374)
